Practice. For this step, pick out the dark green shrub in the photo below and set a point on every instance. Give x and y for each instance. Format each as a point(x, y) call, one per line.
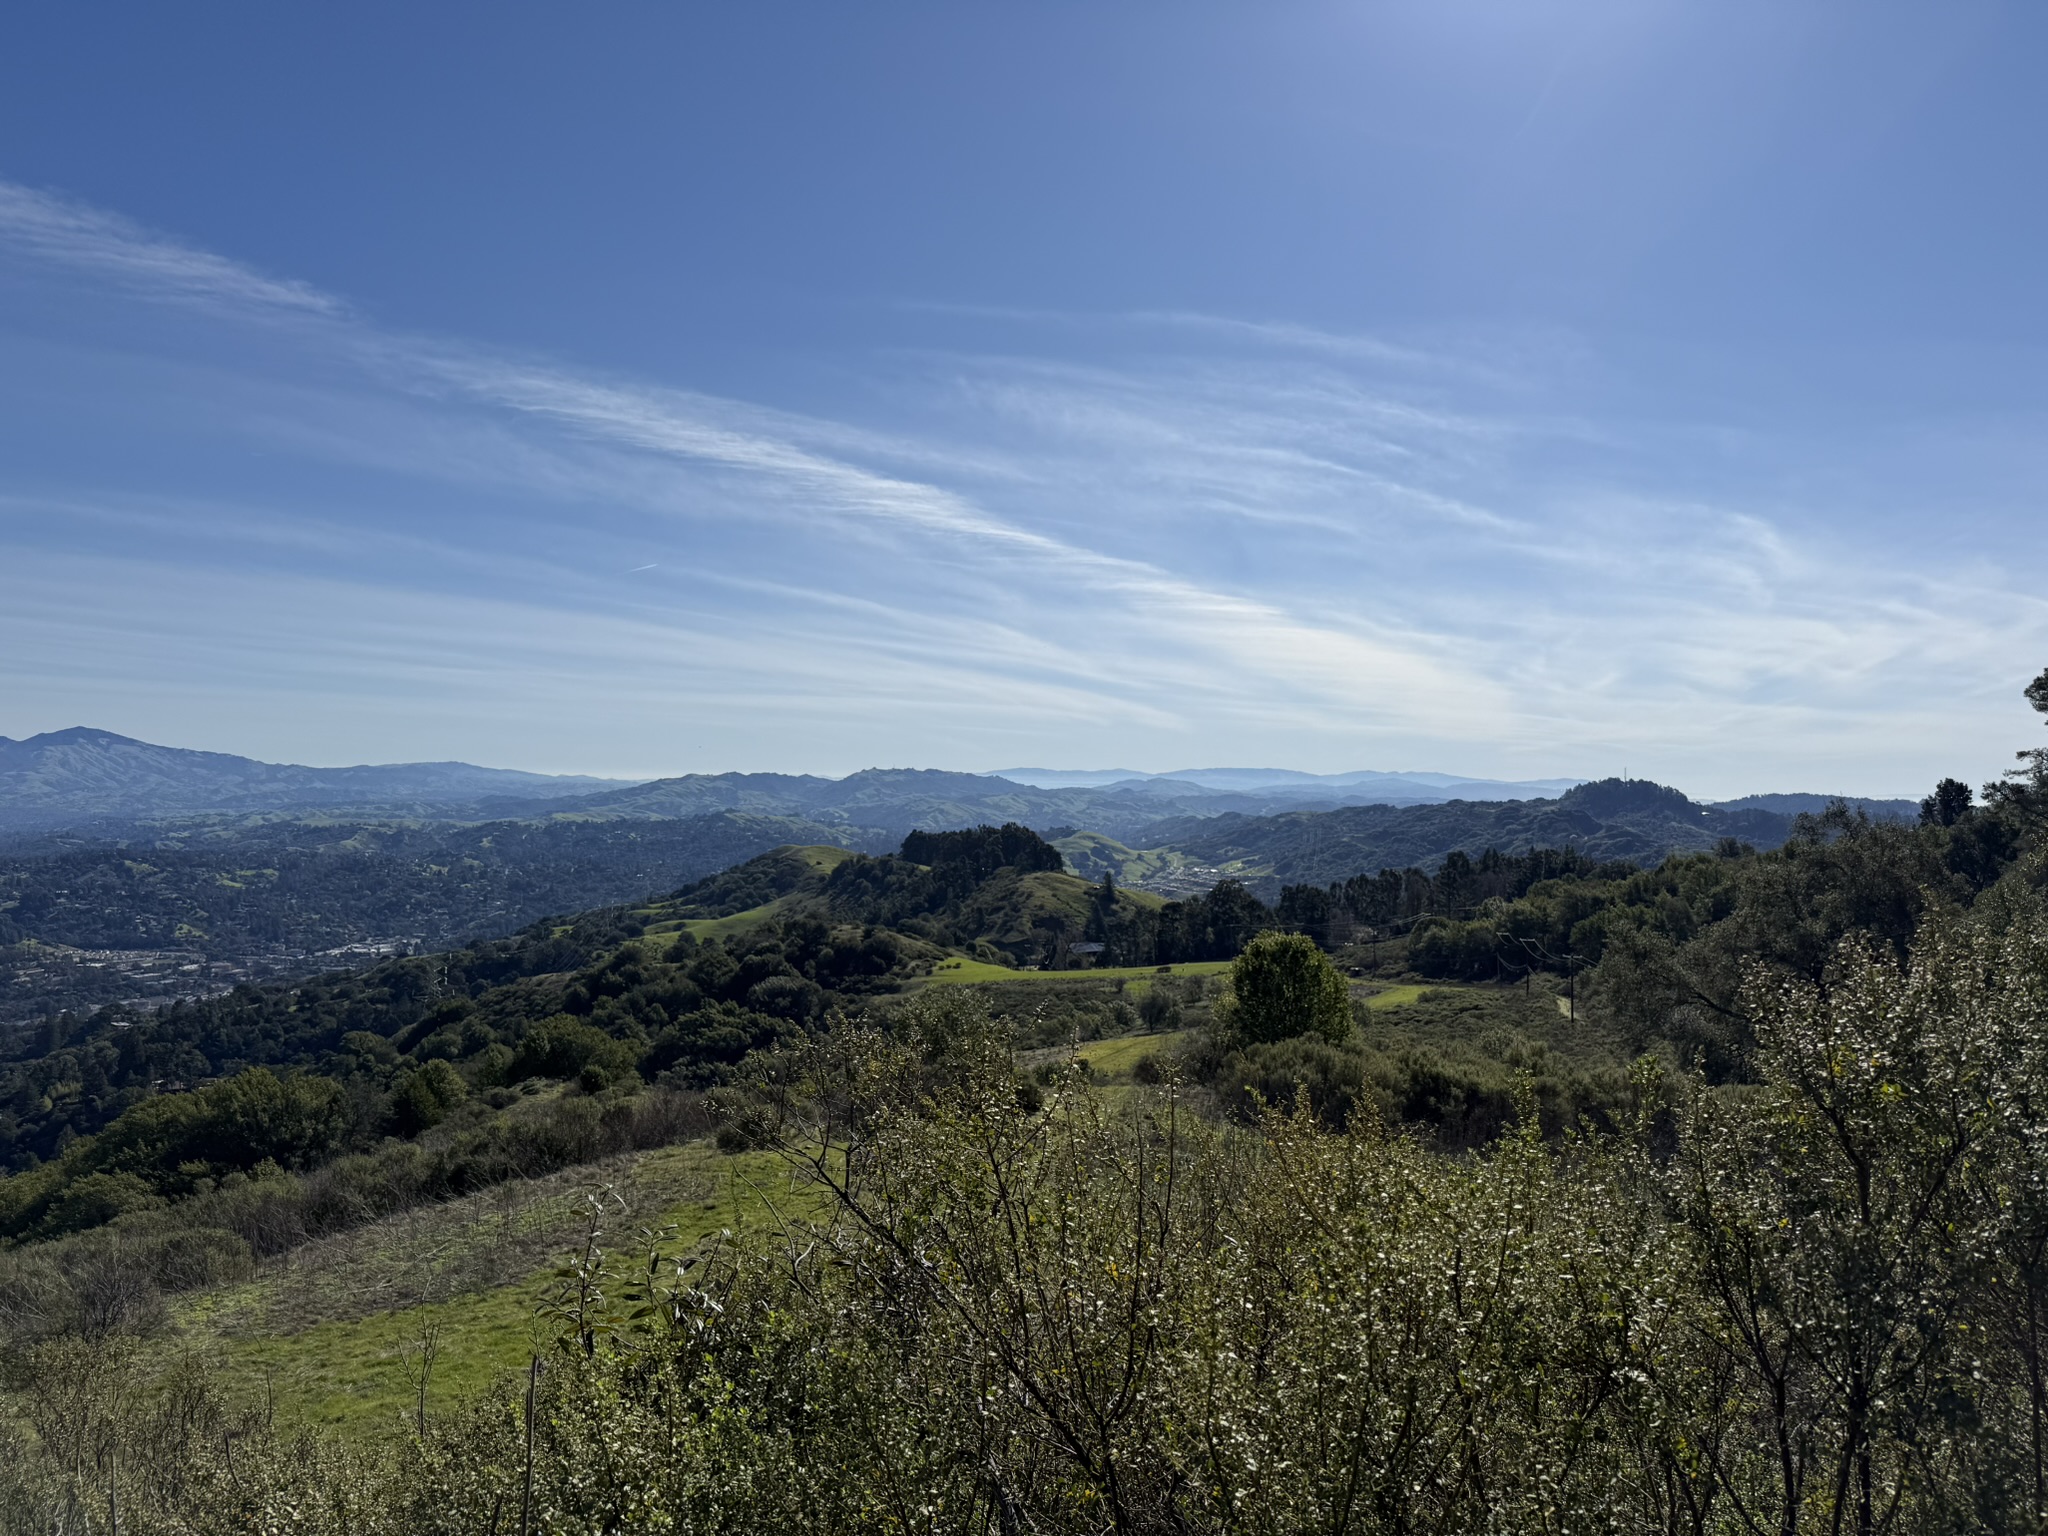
point(1283, 986)
point(562, 1047)
point(424, 1098)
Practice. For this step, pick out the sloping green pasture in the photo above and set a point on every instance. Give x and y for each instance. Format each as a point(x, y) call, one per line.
point(964, 972)
point(325, 1332)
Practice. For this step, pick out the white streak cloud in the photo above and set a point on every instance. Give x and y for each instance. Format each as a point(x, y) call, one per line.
point(1323, 550)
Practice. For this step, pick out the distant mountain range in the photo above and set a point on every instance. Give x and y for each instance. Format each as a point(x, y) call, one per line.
point(1629, 819)
point(902, 800)
point(1362, 786)
point(82, 777)
point(65, 778)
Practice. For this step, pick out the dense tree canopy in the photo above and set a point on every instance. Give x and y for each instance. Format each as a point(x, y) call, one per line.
point(1283, 986)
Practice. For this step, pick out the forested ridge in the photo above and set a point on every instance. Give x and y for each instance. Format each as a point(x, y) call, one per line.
point(190, 905)
point(1534, 1190)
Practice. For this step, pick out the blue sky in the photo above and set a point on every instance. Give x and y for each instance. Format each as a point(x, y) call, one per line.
point(1516, 390)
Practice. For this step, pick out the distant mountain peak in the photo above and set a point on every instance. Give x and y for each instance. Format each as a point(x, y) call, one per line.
point(84, 733)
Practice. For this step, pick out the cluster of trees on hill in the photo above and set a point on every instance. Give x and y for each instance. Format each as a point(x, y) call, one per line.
point(939, 887)
point(941, 883)
point(974, 889)
point(405, 1042)
point(1219, 923)
point(1392, 899)
point(1667, 948)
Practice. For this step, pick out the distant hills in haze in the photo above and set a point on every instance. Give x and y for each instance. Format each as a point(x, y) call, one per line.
point(84, 776)
point(925, 799)
point(1354, 787)
point(1629, 819)
point(64, 778)
point(1803, 805)
point(134, 872)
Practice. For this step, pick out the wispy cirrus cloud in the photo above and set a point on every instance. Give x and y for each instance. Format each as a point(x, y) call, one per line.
point(69, 234)
point(1297, 547)
point(1365, 667)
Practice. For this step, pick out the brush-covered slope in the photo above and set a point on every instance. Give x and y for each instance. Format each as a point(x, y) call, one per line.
point(678, 989)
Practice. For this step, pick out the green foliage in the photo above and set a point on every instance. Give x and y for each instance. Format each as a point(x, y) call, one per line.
point(1215, 926)
point(978, 852)
point(422, 1099)
point(1283, 986)
point(405, 1047)
point(242, 892)
point(1450, 1065)
point(563, 1047)
point(756, 882)
point(1866, 1222)
point(72, 1078)
point(1949, 804)
point(1088, 1313)
point(93, 1200)
point(170, 1146)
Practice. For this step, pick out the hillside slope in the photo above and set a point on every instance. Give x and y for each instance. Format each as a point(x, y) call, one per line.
point(186, 915)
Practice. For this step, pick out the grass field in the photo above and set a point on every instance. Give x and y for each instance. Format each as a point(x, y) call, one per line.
point(1397, 997)
point(1110, 1061)
point(702, 928)
point(961, 971)
point(325, 1332)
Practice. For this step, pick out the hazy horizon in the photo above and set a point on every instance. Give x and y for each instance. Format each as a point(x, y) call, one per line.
point(1018, 774)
